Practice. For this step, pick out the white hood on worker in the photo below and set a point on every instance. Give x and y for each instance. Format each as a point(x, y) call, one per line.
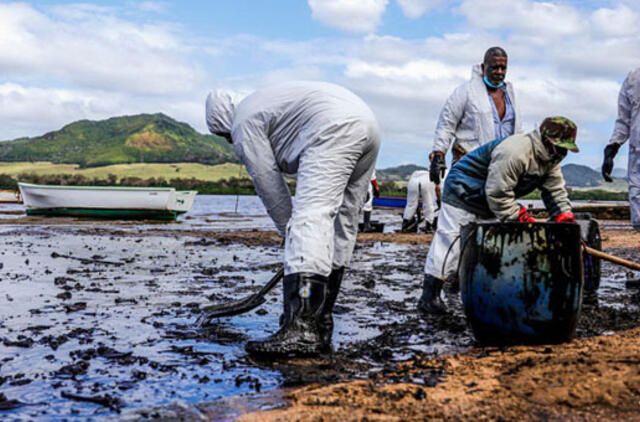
point(220, 109)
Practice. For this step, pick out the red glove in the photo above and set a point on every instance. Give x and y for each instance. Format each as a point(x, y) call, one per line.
point(524, 216)
point(376, 188)
point(565, 217)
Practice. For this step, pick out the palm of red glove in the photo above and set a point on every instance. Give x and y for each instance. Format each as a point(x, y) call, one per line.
point(524, 216)
point(565, 217)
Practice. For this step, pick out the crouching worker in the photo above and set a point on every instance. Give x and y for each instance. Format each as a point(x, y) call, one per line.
point(330, 138)
point(484, 185)
point(420, 187)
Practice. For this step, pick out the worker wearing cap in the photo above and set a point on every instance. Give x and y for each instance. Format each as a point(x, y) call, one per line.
point(330, 138)
point(484, 185)
point(627, 128)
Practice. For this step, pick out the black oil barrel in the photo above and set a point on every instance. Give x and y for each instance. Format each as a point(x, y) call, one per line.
point(590, 232)
point(521, 283)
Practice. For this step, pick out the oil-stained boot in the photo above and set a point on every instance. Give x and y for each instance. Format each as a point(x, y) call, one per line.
point(367, 222)
point(326, 317)
point(299, 333)
point(409, 226)
point(430, 301)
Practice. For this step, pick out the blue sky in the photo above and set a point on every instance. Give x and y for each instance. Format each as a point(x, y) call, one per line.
point(61, 61)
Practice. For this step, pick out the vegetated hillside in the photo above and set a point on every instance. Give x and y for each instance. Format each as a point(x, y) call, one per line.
point(398, 173)
point(149, 138)
point(575, 175)
point(581, 176)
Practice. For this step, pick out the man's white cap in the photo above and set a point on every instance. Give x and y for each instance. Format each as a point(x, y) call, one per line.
point(220, 109)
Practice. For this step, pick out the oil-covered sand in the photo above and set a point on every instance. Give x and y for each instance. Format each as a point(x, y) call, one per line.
point(96, 322)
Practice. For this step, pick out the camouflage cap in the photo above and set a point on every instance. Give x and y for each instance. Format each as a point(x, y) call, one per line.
point(560, 131)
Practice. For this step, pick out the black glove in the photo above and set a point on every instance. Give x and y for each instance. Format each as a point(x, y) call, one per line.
point(607, 165)
point(438, 167)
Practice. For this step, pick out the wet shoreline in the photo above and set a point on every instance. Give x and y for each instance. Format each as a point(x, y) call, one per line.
point(98, 317)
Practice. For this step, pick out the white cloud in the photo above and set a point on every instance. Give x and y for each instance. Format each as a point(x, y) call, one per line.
point(153, 6)
point(360, 16)
point(540, 19)
point(413, 9)
point(619, 22)
point(88, 47)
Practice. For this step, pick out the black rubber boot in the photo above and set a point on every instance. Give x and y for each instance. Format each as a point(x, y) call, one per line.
point(305, 295)
point(409, 226)
point(430, 301)
point(428, 228)
point(367, 222)
point(453, 284)
point(326, 318)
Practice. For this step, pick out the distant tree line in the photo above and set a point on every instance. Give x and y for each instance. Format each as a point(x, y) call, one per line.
point(239, 186)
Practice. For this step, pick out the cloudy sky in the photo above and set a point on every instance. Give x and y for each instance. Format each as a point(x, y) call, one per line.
point(63, 61)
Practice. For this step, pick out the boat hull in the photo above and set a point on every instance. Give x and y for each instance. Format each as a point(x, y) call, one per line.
point(107, 213)
point(521, 283)
point(105, 201)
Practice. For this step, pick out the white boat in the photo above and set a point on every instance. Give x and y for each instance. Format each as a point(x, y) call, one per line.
point(9, 196)
point(106, 201)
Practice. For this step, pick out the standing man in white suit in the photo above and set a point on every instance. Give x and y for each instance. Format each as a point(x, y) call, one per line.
point(477, 112)
point(627, 128)
point(330, 138)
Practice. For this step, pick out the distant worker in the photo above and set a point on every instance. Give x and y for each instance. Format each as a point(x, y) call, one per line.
point(373, 190)
point(484, 185)
point(478, 111)
point(420, 187)
point(330, 138)
point(627, 128)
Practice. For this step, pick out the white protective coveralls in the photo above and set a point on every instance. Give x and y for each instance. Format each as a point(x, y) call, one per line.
point(467, 116)
point(628, 127)
point(368, 205)
point(325, 134)
point(419, 187)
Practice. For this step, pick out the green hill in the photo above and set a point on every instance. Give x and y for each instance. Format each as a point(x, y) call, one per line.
point(143, 138)
point(398, 173)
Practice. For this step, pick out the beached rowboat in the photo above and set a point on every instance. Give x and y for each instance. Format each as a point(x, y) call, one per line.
point(106, 201)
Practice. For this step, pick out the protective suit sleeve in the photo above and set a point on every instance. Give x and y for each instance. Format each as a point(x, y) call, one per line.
point(502, 178)
point(256, 153)
point(449, 119)
point(554, 193)
point(623, 122)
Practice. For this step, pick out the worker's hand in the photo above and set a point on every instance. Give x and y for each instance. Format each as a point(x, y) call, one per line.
point(565, 217)
point(438, 166)
point(376, 188)
point(524, 216)
point(610, 152)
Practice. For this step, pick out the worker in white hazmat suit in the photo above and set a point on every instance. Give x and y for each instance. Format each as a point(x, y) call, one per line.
point(627, 128)
point(420, 187)
point(330, 138)
point(479, 111)
point(484, 186)
point(373, 191)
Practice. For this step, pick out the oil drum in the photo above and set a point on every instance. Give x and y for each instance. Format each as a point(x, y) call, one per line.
point(590, 233)
point(521, 283)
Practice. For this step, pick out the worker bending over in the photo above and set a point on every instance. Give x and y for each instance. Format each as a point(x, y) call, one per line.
point(484, 185)
point(420, 187)
point(373, 190)
point(330, 138)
